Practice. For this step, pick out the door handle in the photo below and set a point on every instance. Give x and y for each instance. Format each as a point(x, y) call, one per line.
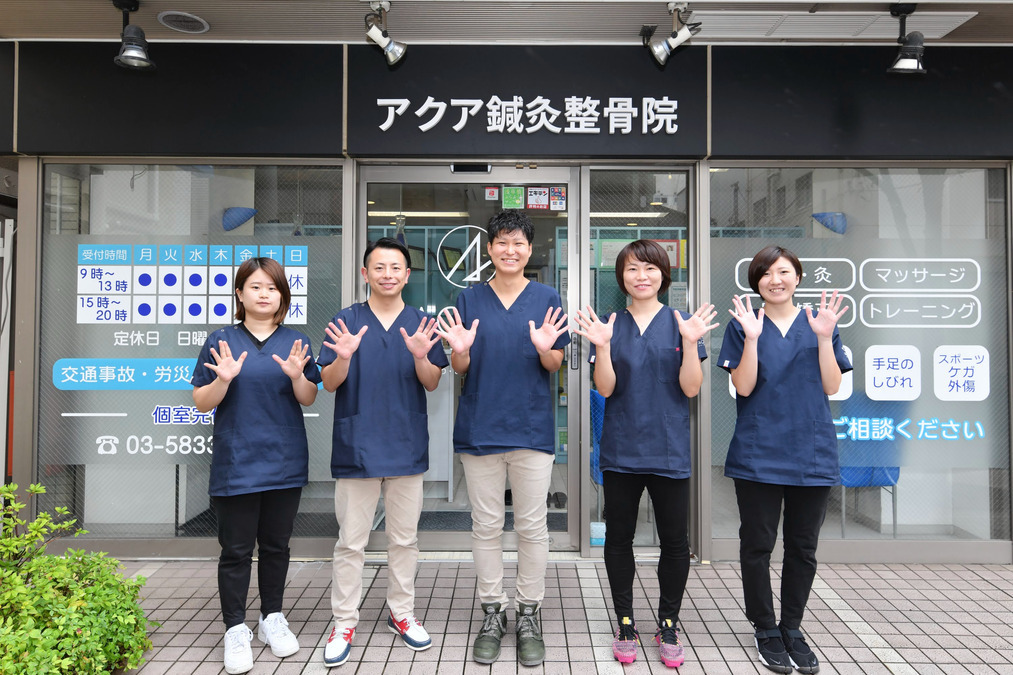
point(575, 354)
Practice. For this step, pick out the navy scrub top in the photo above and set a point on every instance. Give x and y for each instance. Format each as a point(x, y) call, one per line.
point(784, 433)
point(506, 403)
point(380, 423)
point(646, 428)
point(260, 439)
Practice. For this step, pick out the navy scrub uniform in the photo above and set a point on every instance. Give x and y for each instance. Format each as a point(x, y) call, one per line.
point(259, 438)
point(783, 455)
point(380, 423)
point(647, 391)
point(645, 444)
point(259, 466)
point(784, 432)
point(506, 403)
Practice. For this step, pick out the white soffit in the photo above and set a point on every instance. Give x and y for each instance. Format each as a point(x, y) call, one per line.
point(823, 25)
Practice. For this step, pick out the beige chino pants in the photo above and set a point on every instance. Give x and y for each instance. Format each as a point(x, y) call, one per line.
point(355, 502)
point(530, 474)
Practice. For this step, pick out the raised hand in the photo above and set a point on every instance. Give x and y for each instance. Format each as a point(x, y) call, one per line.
point(697, 325)
point(590, 326)
point(752, 325)
point(453, 331)
point(552, 327)
point(826, 319)
point(225, 367)
point(420, 342)
point(344, 343)
point(296, 361)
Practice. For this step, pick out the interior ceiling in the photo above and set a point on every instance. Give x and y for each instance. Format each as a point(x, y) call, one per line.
point(986, 22)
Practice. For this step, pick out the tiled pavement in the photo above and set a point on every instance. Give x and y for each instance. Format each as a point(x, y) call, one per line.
point(861, 619)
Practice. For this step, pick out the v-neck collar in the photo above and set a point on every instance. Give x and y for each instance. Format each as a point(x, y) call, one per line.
point(784, 335)
point(386, 329)
point(642, 333)
point(516, 300)
point(257, 342)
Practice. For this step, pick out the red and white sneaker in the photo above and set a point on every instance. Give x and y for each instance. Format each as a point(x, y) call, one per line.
point(411, 631)
point(339, 646)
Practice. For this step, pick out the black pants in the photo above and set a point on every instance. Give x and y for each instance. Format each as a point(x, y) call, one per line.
point(759, 513)
point(265, 519)
point(670, 498)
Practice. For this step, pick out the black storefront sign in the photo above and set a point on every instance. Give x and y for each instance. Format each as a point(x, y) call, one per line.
point(204, 99)
point(544, 101)
point(840, 103)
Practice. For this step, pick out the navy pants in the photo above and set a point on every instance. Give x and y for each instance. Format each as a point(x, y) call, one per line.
point(264, 519)
point(670, 497)
point(759, 512)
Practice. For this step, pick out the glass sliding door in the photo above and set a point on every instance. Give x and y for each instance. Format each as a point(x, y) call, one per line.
point(626, 205)
point(441, 217)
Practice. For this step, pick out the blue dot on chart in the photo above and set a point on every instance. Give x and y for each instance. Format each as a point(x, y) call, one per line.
point(169, 309)
point(196, 279)
point(144, 309)
point(220, 309)
point(194, 309)
point(144, 279)
point(170, 279)
point(221, 279)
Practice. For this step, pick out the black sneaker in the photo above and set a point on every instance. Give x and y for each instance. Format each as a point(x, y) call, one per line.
point(801, 656)
point(771, 650)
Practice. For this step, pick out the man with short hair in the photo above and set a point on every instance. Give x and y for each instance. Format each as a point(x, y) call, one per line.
point(380, 441)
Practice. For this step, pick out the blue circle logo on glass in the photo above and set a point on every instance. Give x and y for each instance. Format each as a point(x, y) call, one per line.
point(144, 309)
point(220, 309)
point(169, 309)
point(194, 309)
point(144, 279)
point(196, 279)
point(221, 280)
point(170, 279)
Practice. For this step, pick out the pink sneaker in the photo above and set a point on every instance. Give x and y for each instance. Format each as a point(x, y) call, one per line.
point(624, 646)
point(667, 637)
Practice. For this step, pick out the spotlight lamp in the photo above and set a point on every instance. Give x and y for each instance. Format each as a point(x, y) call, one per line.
point(376, 30)
point(662, 47)
point(912, 45)
point(133, 48)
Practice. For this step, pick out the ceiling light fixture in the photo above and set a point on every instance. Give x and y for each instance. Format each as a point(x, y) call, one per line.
point(912, 45)
point(133, 48)
point(376, 30)
point(662, 47)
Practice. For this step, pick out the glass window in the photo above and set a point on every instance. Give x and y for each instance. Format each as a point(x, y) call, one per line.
point(137, 268)
point(920, 256)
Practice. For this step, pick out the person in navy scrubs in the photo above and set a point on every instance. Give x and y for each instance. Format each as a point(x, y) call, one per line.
point(379, 357)
point(260, 461)
point(507, 337)
point(784, 363)
point(647, 378)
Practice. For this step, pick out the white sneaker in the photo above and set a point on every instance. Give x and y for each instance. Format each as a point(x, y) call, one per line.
point(273, 631)
point(339, 646)
point(411, 631)
point(238, 655)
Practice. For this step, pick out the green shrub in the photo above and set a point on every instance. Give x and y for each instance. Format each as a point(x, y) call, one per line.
point(73, 613)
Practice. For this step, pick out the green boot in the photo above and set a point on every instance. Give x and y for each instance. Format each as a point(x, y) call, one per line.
point(487, 644)
point(530, 646)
